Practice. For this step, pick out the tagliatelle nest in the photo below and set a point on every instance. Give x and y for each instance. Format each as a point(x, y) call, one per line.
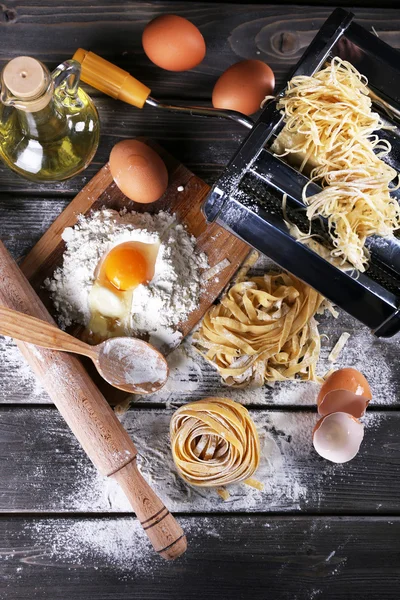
point(263, 331)
point(330, 125)
point(214, 443)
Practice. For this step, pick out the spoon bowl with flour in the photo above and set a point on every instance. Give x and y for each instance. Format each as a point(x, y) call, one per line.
point(126, 363)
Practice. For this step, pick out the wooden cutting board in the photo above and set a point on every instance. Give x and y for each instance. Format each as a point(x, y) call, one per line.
point(101, 191)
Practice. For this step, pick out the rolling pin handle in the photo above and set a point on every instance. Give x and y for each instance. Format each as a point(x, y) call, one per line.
point(162, 529)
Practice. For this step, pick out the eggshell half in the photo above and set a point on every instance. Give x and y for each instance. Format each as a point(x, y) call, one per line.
point(138, 171)
point(173, 43)
point(338, 436)
point(346, 390)
point(244, 86)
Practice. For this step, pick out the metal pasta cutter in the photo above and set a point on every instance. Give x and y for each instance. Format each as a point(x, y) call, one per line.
point(247, 198)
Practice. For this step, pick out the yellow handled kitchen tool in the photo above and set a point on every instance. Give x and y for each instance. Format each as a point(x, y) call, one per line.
point(110, 79)
point(119, 84)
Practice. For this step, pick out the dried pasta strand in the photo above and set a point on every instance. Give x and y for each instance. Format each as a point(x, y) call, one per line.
point(254, 483)
point(223, 492)
point(214, 443)
point(338, 347)
point(263, 331)
point(330, 126)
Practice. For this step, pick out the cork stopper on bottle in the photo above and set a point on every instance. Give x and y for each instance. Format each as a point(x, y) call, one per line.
point(27, 80)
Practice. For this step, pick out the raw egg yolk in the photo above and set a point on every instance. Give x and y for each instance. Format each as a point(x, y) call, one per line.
point(126, 267)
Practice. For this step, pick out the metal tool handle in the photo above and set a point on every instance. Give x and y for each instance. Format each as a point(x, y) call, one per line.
point(203, 111)
point(119, 84)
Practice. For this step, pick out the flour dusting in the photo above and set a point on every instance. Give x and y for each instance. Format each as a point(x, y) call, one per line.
point(19, 383)
point(118, 543)
point(157, 307)
point(135, 362)
point(192, 377)
point(282, 443)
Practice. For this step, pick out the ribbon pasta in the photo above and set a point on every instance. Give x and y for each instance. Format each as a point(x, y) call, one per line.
point(330, 127)
point(263, 330)
point(214, 443)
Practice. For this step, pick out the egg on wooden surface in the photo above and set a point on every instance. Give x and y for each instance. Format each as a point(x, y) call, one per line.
point(138, 171)
point(345, 390)
point(244, 86)
point(173, 43)
point(338, 436)
point(126, 266)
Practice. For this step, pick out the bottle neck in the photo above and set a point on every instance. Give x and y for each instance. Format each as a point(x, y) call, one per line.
point(27, 87)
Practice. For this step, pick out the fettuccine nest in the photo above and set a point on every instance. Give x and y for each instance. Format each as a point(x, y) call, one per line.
point(263, 331)
point(214, 442)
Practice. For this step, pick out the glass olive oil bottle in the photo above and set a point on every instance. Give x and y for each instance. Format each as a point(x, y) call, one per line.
point(49, 127)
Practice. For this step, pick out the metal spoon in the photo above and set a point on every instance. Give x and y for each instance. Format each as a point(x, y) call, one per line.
point(126, 363)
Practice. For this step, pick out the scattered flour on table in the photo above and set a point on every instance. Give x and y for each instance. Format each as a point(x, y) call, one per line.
point(192, 377)
point(19, 375)
point(119, 544)
point(374, 357)
point(285, 444)
point(186, 376)
point(158, 307)
point(293, 476)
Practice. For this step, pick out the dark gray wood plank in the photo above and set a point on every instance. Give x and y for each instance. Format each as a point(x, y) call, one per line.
point(231, 32)
point(203, 145)
point(192, 377)
point(43, 469)
point(273, 33)
point(260, 558)
point(24, 219)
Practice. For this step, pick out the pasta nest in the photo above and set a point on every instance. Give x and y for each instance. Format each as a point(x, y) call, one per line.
point(263, 330)
point(214, 443)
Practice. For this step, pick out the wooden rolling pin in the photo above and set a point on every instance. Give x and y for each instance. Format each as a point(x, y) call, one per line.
point(89, 416)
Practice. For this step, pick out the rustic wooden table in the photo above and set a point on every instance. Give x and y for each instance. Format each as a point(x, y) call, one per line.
point(318, 530)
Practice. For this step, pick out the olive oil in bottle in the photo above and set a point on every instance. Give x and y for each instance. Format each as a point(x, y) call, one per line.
point(49, 127)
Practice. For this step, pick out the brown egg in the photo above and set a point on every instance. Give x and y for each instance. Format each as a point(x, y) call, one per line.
point(173, 43)
point(244, 86)
point(346, 390)
point(138, 171)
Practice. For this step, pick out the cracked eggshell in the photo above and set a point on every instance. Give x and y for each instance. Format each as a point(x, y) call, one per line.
point(346, 390)
point(338, 436)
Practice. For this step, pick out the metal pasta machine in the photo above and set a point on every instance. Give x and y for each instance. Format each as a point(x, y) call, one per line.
point(247, 198)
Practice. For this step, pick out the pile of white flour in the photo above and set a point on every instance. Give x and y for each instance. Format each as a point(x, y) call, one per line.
point(157, 307)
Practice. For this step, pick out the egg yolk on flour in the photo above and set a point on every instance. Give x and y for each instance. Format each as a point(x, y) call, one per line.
point(119, 273)
point(126, 266)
